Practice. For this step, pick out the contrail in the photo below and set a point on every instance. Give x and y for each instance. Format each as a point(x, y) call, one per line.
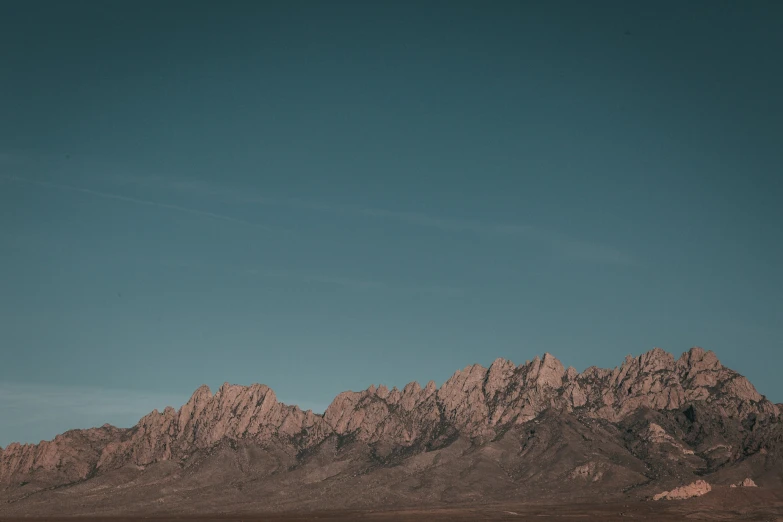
point(144, 202)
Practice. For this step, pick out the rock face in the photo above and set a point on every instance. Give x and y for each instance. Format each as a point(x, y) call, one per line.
point(653, 410)
point(695, 489)
point(747, 483)
point(657, 435)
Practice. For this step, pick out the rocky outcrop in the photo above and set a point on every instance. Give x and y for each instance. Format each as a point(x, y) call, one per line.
point(657, 435)
point(657, 381)
point(747, 483)
point(696, 489)
point(477, 403)
point(589, 471)
point(71, 456)
point(233, 412)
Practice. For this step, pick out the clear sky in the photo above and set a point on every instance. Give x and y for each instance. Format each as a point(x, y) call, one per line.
point(320, 196)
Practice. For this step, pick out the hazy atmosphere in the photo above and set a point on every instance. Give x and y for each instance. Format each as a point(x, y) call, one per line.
point(321, 196)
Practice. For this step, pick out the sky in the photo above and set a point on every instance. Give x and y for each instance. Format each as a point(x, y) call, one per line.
point(321, 196)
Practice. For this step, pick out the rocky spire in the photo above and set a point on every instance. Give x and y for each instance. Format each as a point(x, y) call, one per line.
point(475, 402)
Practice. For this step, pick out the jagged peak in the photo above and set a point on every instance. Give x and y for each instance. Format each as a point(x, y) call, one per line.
point(701, 359)
point(411, 387)
point(202, 391)
point(695, 370)
point(550, 372)
point(656, 359)
point(698, 350)
point(500, 365)
point(471, 368)
point(656, 353)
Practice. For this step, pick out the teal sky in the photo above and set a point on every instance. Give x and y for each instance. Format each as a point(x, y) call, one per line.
point(320, 196)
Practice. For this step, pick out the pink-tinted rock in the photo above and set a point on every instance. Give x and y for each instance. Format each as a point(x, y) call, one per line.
point(550, 372)
point(475, 402)
point(695, 489)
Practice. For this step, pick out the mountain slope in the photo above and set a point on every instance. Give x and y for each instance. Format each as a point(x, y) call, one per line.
point(535, 431)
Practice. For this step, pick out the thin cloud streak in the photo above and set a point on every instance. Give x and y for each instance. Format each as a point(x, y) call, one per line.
point(565, 245)
point(143, 202)
point(349, 283)
point(357, 284)
point(76, 399)
point(562, 243)
point(413, 218)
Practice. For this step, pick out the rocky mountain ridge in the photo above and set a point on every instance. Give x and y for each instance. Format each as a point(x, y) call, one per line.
point(702, 411)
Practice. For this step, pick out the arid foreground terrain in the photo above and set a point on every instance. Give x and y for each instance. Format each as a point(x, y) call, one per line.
point(535, 441)
point(761, 505)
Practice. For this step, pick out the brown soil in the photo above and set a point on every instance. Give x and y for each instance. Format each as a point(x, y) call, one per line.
point(756, 505)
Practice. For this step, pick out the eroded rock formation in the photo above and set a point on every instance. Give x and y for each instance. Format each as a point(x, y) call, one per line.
point(476, 404)
point(696, 489)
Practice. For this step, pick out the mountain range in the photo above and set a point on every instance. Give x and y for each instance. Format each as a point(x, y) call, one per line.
point(535, 432)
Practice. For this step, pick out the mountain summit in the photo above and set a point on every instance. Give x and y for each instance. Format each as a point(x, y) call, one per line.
point(528, 431)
